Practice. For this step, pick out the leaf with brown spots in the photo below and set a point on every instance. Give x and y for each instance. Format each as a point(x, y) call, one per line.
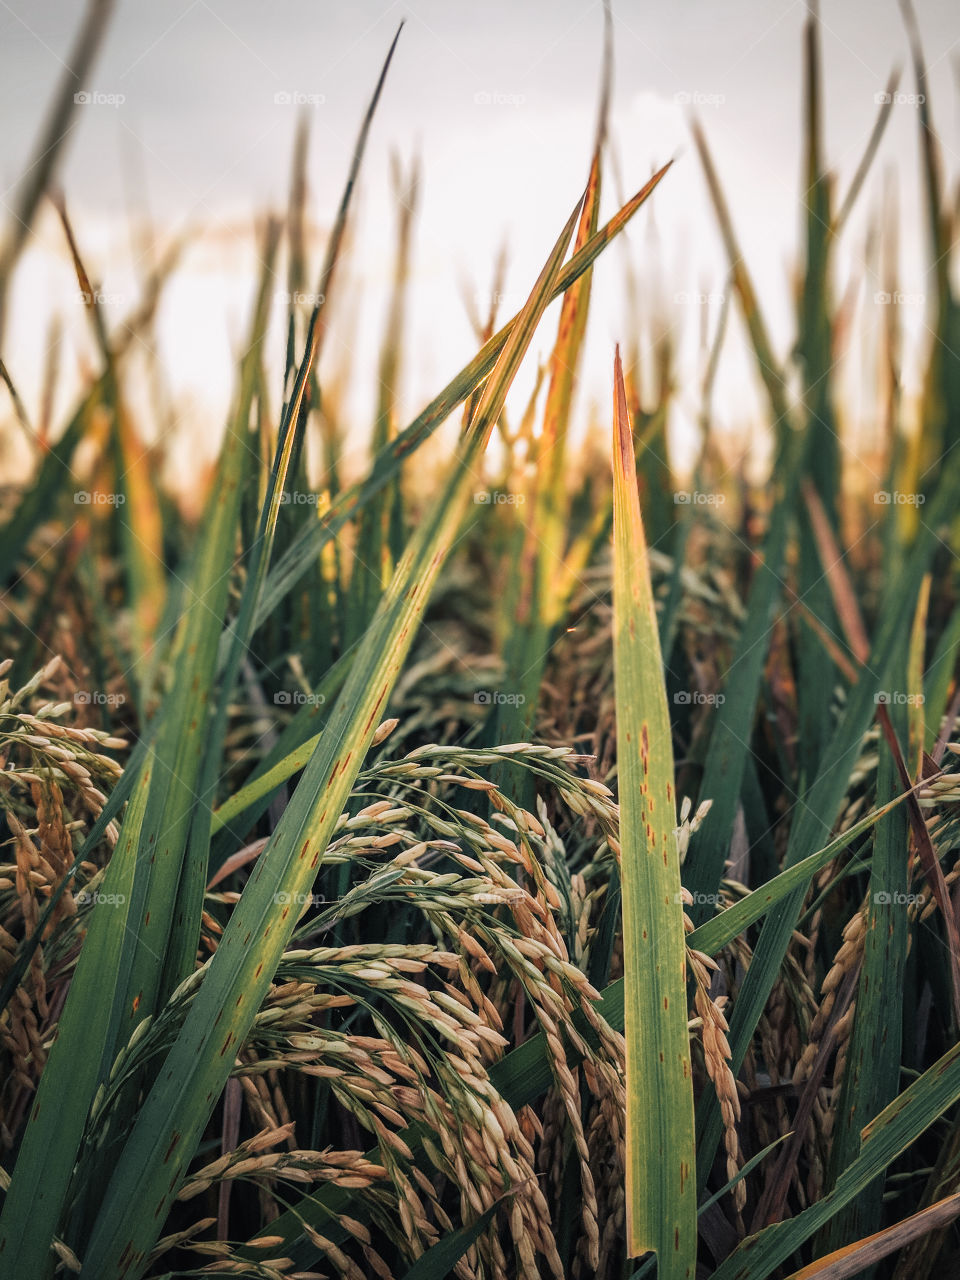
point(661, 1151)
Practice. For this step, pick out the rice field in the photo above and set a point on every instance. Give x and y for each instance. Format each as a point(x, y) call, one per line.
point(534, 857)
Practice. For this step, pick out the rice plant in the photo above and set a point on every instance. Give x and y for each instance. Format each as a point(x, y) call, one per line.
point(398, 884)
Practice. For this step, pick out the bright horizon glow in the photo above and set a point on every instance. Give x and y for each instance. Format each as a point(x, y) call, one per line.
point(501, 112)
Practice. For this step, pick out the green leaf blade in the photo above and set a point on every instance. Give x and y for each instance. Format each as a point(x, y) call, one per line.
point(661, 1155)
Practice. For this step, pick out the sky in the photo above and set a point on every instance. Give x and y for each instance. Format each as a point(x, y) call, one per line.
point(190, 117)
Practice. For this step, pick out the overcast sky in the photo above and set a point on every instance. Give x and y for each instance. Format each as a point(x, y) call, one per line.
point(499, 101)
